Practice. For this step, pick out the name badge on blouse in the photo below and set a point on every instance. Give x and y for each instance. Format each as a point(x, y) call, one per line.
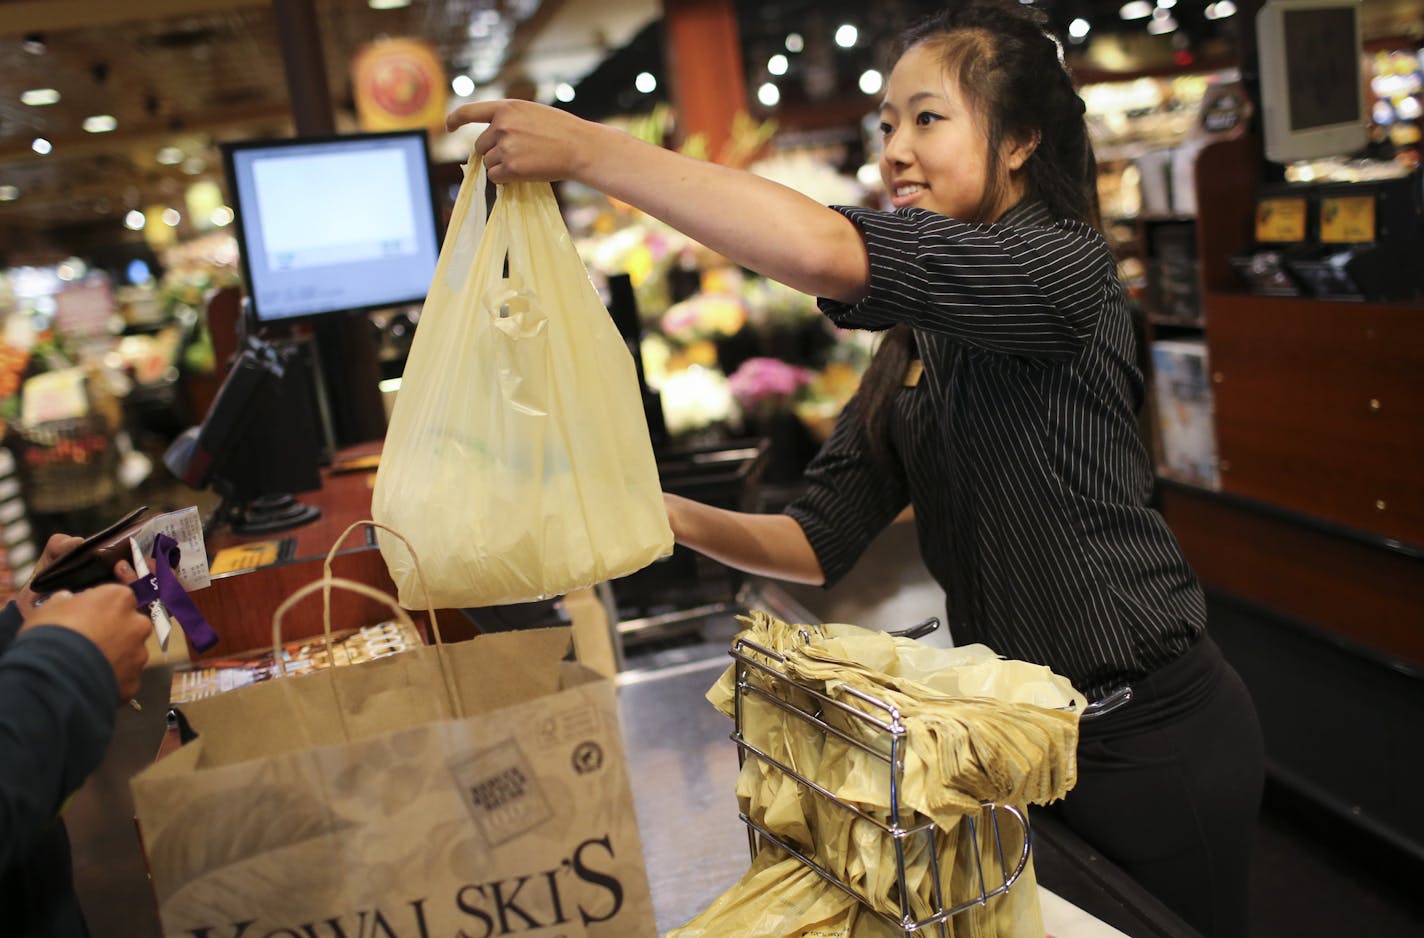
point(913, 372)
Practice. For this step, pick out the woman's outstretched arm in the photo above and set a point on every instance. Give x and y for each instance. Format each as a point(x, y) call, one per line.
point(754, 222)
point(765, 545)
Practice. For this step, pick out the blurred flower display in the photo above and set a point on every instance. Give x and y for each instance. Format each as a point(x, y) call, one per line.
point(761, 382)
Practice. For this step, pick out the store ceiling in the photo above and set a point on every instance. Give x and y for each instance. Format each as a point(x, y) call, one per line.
point(190, 73)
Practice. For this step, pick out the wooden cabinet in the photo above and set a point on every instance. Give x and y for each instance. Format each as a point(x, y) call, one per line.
point(1312, 552)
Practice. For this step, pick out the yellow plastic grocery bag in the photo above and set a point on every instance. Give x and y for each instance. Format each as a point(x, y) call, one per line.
point(517, 460)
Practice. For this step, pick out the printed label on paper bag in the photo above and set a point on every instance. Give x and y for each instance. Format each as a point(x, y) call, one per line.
point(501, 792)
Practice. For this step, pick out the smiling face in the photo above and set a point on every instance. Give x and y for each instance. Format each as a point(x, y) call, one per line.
point(936, 152)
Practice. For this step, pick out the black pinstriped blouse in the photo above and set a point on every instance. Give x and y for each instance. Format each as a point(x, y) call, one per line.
point(1018, 448)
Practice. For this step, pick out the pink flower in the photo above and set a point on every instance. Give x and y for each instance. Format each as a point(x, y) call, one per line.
point(760, 379)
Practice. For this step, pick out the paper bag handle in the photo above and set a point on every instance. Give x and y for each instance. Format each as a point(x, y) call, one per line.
point(415, 561)
point(370, 592)
point(457, 705)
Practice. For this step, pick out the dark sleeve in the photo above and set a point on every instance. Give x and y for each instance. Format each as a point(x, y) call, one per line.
point(58, 696)
point(10, 622)
point(848, 499)
point(1034, 291)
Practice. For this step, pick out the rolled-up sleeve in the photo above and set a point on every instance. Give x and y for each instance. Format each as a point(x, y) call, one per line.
point(848, 499)
point(1033, 290)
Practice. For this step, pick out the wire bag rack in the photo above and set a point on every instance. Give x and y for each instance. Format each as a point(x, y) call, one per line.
point(760, 677)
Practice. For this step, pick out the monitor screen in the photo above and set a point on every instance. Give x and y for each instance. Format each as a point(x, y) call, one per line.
point(1312, 84)
point(328, 225)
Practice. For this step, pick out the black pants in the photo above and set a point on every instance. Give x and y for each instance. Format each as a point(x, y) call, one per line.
point(1169, 787)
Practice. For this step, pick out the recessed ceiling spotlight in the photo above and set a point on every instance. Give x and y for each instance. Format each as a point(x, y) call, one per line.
point(768, 94)
point(134, 220)
point(777, 64)
point(645, 82)
point(169, 156)
point(846, 35)
point(794, 42)
point(222, 216)
point(1079, 28)
point(564, 92)
point(9, 193)
point(462, 85)
point(1163, 24)
point(41, 146)
point(387, 4)
point(871, 81)
point(39, 97)
point(100, 123)
point(1135, 10)
point(171, 217)
point(34, 43)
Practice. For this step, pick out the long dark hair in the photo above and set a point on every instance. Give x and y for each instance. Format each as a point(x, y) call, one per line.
point(1008, 66)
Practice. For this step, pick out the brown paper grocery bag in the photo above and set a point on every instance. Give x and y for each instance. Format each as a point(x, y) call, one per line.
point(473, 789)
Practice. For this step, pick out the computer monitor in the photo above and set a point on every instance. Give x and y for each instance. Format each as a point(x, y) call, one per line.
point(333, 224)
point(1312, 81)
point(259, 443)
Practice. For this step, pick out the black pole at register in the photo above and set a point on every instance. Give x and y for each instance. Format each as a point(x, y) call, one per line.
point(347, 345)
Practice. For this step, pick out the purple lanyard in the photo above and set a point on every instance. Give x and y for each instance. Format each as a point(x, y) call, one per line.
point(162, 586)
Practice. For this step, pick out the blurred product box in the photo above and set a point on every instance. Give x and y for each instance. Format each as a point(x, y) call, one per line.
point(1185, 430)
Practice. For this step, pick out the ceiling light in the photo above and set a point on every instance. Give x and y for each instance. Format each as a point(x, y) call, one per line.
point(846, 35)
point(34, 43)
point(1166, 4)
point(39, 97)
point(9, 193)
point(171, 217)
point(645, 82)
point(100, 123)
point(1079, 28)
point(564, 92)
point(794, 42)
point(41, 146)
point(222, 216)
point(134, 220)
point(777, 64)
point(463, 86)
point(1161, 25)
point(871, 81)
point(768, 94)
point(194, 165)
point(1135, 10)
point(1220, 10)
point(169, 156)
point(387, 4)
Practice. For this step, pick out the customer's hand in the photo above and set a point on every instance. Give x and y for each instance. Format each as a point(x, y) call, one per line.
point(108, 617)
point(56, 547)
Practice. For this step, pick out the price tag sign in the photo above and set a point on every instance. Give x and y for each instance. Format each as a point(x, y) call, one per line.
point(1281, 221)
point(1347, 219)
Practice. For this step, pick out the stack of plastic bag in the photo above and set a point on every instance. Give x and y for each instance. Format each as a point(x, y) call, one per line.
point(978, 728)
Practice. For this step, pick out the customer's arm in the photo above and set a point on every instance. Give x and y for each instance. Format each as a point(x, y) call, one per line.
point(61, 680)
point(766, 545)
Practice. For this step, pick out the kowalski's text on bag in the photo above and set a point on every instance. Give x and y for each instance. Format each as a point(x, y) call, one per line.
point(538, 900)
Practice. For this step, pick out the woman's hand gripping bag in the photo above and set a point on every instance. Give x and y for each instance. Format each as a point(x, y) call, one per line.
point(517, 460)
